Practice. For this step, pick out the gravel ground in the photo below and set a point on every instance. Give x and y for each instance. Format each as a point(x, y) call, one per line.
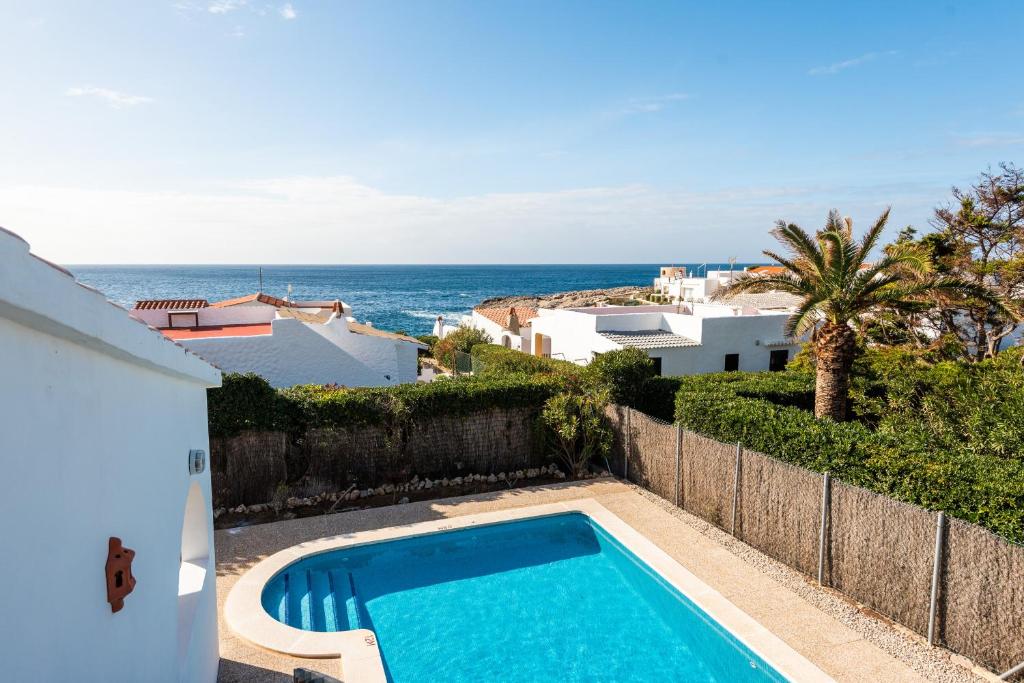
point(935, 664)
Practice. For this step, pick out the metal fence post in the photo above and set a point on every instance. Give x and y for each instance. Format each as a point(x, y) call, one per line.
point(629, 446)
point(679, 463)
point(1009, 673)
point(826, 503)
point(940, 522)
point(736, 486)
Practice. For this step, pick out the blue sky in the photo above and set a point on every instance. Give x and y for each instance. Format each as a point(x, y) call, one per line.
point(218, 131)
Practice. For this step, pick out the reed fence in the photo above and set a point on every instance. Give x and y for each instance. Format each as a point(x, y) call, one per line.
point(954, 583)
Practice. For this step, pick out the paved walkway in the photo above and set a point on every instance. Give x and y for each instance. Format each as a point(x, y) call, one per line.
point(836, 648)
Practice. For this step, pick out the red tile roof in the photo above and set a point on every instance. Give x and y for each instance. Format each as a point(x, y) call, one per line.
point(249, 298)
point(174, 304)
point(208, 331)
point(502, 314)
point(272, 301)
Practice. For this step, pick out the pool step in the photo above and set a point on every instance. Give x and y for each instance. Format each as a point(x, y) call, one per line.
point(318, 600)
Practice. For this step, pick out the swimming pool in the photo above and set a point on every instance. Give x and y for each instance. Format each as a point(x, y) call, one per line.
point(543, 598)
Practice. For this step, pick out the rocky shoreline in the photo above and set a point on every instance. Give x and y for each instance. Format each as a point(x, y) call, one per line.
point(577, 299)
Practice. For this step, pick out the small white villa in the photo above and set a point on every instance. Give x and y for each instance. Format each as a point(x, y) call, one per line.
point(683, 339)
point(108, 565)
point(286, 342)
point(508, 326)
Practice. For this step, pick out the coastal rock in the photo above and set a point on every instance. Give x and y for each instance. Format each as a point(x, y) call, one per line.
point(576, 299)
point(492, 479)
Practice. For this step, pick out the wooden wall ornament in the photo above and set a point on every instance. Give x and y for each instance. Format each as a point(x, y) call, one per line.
point(120, 581)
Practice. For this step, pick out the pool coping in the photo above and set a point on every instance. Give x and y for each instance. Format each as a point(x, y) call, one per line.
point(358, 650)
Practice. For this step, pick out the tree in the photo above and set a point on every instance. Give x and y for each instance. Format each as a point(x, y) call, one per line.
point(462, 341)
point(839, 291)
point(578, 428)
point(979, 238)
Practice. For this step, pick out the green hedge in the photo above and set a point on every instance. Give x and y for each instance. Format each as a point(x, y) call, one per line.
point(491, 360)
point(248, 402)
point(906, 458)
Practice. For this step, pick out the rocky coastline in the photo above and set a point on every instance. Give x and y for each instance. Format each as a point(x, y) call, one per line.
point(577, 299)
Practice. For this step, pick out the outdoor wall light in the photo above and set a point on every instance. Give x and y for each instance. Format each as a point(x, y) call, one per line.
point(196, 461)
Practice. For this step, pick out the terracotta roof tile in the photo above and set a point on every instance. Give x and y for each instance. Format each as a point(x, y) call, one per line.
point(175, 304)
point(502, 314)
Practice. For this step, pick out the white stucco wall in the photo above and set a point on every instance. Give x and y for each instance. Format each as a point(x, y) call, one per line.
point(300, 353)
point(575, 336)
point(232, 315)
point(97, 416)
point(519, 342)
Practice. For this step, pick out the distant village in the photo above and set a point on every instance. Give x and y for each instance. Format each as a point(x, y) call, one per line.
point(682, 323)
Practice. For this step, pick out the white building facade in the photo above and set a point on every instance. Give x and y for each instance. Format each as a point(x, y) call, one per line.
point(508, 326)
point(286, 342)
point(683, 339)
point(675, 284)
point(103, 429)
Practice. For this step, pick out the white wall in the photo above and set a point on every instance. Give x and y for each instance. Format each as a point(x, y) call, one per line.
point(575, 337)
point(519, 342)
point(97, 416)
point(293, 354)
point(745, 335)
point(232, 315)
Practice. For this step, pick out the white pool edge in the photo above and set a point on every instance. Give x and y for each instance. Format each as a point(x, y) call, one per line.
point(360, 656)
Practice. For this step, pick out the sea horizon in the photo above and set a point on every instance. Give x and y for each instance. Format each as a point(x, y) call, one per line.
point(403, 297)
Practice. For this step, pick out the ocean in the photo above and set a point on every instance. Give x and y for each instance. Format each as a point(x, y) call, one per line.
point(392, 297)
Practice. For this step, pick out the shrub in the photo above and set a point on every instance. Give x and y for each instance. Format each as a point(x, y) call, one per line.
point(461, 340)
point(429, 340)
point(242, 402)
point(577, 427)
point(491, 360)
point(623, 373)
point(941, 441)
point(249, 402)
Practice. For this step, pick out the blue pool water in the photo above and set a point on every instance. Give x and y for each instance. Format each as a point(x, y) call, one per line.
point(540, 600)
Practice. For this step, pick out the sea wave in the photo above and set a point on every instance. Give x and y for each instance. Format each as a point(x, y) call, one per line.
point(449, 316)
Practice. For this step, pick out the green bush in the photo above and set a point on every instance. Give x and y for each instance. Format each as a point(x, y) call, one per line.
point(242, 402)
point(429, 340)
point(248, 402)
point(940, 442)
point(578, 428)
point(491, 360)
point(461, 340)
point(623, 373)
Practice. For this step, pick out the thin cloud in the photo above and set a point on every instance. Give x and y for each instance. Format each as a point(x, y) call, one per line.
point(287, 11)
point(989, 139)
point(642, 105)
point(354, 222)
point(114, 98)
point(225, 6)
point(833, 69)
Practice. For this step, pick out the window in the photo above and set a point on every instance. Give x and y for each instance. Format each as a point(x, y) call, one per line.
point(183, 319)
point(657, 365)
point(732, 362)
point(777, 361)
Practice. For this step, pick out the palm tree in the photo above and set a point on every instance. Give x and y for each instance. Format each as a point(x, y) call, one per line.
point(838, 288)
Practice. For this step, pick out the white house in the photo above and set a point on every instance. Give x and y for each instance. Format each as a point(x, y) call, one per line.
point(683, 339)
point(286, 342)
point(677, 285)
point(508, 326)
point(103, 436)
